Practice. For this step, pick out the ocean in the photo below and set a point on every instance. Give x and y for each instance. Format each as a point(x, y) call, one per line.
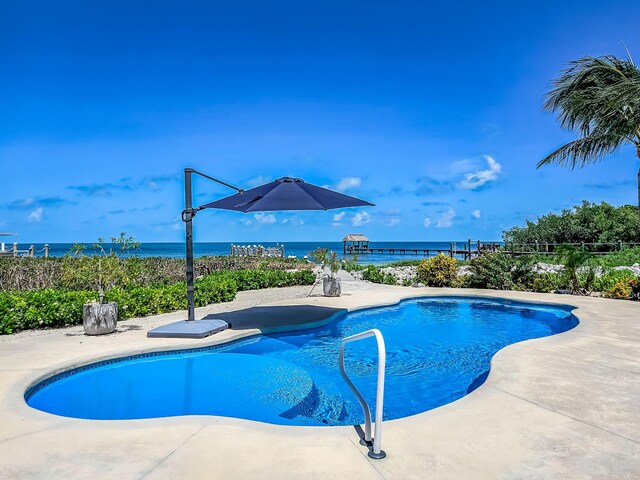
point(295, 249)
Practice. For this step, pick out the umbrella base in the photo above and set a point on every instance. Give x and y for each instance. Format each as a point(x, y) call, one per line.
point(186, 329)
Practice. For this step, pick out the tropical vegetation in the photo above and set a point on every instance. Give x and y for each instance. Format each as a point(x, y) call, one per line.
point(599, 100)
point(50, 292)
point(589, 223)
point(438, 271)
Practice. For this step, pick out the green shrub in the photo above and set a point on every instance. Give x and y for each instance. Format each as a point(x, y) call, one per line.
point(547, 282)
point(464, 281)
point(438, 271)
point(608, 280)
point(351, 264)
point(40, 309)
point(622, 258)
point(78, 273)
point(621, 291)
point(59, 308)
point(373, 274)
point(499, 271)
point(589, 222)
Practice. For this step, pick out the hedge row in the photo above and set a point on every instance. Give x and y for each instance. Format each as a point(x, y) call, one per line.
point(58, 308)
point(70, 272)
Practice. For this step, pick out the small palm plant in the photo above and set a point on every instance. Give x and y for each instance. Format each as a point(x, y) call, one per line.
point(576, 261)
point(328, 259)
point(599, 99)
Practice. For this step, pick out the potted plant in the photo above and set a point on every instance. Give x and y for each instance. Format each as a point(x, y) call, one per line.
point(331, 286)
point(102, 271)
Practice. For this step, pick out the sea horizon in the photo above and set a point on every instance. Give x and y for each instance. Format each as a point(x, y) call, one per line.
point(291, 249)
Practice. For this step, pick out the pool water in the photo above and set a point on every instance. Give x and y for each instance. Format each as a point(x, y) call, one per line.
point(438, 350)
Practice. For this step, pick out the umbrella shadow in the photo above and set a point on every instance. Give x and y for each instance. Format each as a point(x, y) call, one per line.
point(276, 316)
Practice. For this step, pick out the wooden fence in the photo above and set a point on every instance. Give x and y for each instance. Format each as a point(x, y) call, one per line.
point(544, 248)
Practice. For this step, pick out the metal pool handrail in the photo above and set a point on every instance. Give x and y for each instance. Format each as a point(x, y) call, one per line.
point(377, 441)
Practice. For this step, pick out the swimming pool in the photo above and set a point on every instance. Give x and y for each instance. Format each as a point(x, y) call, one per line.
point(438, 350)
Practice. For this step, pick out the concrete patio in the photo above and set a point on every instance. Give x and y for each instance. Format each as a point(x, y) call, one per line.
point(566, 406)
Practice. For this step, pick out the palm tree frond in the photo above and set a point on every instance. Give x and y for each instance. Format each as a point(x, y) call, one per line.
point(583, 151)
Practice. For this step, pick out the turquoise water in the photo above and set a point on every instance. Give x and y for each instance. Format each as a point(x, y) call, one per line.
point(438, 350)
point(296, 249)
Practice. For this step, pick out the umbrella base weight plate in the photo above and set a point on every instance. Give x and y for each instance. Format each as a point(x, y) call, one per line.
point(186, 329)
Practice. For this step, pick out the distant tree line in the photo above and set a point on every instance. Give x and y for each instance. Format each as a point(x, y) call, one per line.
point(589, 223)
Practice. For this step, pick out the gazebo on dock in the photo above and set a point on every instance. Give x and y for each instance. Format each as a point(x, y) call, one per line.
point(355, 243)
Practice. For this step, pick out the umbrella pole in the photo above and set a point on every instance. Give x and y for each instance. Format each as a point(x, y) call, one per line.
point(188, 225)
point(190, 328)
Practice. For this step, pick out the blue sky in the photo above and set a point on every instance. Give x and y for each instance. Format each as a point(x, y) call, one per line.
point(431, 111)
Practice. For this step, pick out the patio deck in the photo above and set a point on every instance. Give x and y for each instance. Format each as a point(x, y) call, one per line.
point(566, 406)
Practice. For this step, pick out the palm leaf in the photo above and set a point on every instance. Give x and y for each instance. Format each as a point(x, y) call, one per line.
point(583, 151)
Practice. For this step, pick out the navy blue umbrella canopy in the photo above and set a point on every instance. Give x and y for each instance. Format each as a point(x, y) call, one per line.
point(286, 193)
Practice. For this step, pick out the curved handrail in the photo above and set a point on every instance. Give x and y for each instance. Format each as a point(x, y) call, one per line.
point(377, 439)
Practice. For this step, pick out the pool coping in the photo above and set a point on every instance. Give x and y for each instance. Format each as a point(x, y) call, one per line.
point(604, 321)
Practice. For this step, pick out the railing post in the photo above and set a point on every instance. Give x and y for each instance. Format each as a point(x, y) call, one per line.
point(46, 250)
point(376, 451)
point(32, 251)
point(15, 249)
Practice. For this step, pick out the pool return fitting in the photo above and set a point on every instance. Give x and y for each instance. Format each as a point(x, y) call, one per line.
point(375, 443)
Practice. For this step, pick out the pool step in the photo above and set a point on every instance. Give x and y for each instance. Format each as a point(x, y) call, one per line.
point(321, 408)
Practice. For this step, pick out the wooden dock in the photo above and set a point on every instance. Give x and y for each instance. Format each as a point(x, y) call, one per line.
point(467, 251)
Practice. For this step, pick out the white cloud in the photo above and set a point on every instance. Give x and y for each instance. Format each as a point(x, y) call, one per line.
point(292, 221)
point(462, 166)
point(475, 213)
point(393, 221)
point(259, 180)
point(476, 180)
point(348, 182)
point(246, 221)
point(337, 218)
point(36, 215)
point(360, 218)
point(446, 219)
point(266, 218)
point(427, 222)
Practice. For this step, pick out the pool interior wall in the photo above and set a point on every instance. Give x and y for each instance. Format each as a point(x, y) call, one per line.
point(439, 349)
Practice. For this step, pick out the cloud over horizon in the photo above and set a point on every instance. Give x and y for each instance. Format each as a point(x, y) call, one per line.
point(266, 218)
point(446, 219)
point(360, 218)
point(475, 180)
point(348, 183)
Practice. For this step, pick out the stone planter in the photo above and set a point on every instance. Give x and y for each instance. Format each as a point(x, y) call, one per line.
point(331, 286)
point(99, 319)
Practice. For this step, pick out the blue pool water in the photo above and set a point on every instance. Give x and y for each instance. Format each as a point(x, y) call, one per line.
point(438, 350)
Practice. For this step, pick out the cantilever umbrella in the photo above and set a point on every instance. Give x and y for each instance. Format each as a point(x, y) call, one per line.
point(286, 193)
